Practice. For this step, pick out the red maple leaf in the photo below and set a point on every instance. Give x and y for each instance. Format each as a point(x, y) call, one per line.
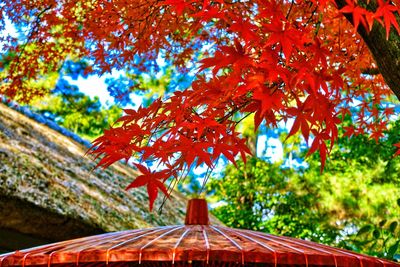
point(153, 180)
point(398, 149)
point(357, 12)
point(386, 10)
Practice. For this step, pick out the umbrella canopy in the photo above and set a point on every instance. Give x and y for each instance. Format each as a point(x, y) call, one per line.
point(197, 243)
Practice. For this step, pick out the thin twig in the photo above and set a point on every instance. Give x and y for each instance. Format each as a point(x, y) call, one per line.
point(290, 9)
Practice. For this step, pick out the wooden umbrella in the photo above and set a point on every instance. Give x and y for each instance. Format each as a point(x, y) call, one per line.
point(197, 243)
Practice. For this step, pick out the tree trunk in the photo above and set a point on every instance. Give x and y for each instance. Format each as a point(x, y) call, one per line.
point(385, 52)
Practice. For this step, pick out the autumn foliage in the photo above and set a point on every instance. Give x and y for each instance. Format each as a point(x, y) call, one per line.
point(278, 60)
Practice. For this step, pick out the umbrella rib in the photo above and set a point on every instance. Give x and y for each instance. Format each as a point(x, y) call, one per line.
point(308, 246)
point(49, 259)
point(96, 238)
point(207, 244)
point(336, 250)
point(53, 247)
point(118, 235)
point(37, 252)
point(178, 242)
point(39, 249)
point(4, 256)
point(349, 254)
point(77, 242)
point(381, 261)
point(152, 230)
point(258, 242)
point(285, 245)
point(24, 258)
point(231, 240)
point(155, 239)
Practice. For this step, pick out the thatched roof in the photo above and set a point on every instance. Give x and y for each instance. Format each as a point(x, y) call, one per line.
point(49, 191)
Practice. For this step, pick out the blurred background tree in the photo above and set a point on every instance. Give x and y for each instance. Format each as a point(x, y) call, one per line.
point(72, 109)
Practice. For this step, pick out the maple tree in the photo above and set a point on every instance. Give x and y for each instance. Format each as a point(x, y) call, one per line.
point(278, 60)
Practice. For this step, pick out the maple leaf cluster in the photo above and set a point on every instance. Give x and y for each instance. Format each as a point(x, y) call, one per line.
point(279, 60)
point(384, 14)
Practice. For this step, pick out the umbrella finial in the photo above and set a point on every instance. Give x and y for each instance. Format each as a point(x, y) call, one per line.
point(197, 212)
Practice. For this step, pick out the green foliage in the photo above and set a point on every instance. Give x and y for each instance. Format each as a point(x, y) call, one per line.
point(79, 113)
point(190, 186)
point(152, 87)
point(262, 196)
point(381, 240)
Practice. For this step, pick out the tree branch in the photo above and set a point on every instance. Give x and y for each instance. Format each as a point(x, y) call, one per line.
point(370, 71)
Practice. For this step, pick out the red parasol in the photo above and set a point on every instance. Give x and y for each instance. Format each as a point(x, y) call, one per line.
point(197, 243)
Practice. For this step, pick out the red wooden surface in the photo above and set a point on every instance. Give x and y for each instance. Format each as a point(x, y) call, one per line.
point(188, 245)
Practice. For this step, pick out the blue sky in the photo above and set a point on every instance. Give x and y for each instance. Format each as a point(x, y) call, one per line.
point(94, 85)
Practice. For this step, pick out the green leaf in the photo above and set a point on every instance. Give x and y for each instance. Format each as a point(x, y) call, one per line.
point(376, 233)
point(392, 250)
point(364, 229)
point(373, 247)
point(392, 227)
